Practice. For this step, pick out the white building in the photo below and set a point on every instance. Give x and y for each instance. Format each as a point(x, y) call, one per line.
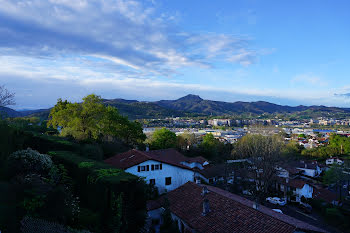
point(166, 169)
point(334, 160)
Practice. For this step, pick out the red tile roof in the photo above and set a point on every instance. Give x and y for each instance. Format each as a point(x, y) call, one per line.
point(324, 194)
point(169, 156)
point(127, 159)
point(229, 212)
point(296, 183)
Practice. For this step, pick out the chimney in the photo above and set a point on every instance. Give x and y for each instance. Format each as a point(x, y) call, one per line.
point(204, 191)
point(198, 180)
point(206, 207)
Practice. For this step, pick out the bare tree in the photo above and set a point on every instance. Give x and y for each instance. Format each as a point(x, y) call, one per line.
point(6, 97)
point(263, 154)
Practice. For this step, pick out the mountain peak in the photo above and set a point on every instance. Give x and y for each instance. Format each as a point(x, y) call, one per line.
point(191, 98)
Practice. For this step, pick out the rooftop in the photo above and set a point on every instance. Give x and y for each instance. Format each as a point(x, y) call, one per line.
point(169, 156)
point(229, 212)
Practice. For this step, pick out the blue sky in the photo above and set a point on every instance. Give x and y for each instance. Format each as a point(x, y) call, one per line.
point(286, 52)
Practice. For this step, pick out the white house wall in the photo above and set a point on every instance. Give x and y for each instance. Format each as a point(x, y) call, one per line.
point(179, 176)
point(306, 191)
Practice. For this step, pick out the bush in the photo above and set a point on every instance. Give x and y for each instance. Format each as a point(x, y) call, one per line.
point(29, 161)
point(91, 151)
point(97, 182)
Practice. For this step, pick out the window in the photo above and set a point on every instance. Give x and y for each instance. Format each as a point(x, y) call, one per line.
point(143, 168)
point(167, 180)
point(152, 181)
point(156, 167)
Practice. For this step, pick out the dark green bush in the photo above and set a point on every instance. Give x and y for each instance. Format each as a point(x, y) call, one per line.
point(91, 151)
point(97, 182)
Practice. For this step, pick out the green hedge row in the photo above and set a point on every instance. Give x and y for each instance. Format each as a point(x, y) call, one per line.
point(98, 185)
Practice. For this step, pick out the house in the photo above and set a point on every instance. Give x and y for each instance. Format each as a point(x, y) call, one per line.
point(201, 208)
point(308, 168)
point(166, 169)
point(334, 160)
point(212, 174)
point(299, 190)
point(325, 195)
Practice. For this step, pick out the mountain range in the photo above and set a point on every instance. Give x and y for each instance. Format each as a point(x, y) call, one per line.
point(193, 105)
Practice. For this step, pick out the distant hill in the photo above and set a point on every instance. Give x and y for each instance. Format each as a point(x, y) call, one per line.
point(8, 112)
point(193, 105)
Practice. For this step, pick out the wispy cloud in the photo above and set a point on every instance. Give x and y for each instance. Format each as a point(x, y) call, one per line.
point(308, 79)
point(128, 33)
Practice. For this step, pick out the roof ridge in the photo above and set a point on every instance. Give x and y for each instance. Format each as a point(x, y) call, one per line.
point(142, 152)
point(267, 211)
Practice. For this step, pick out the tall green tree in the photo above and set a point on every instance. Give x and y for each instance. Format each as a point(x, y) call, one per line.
point(92, 120)
point(163, 139)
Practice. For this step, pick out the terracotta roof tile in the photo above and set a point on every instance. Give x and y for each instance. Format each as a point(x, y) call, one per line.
point(134, 157)
point(229, 212)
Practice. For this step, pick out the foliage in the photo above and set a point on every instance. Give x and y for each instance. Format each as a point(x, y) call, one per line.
point(92, 120)
point(213, 149)
point(186, 140)
point(169, 225)
point(6, 97)
point(92, 151)
point(29, 161)
point(163, 139)
point(86, 164)
point(264, 153)
point(292, 150)
point(103, 173)
point(96, 182)
point(339, 143)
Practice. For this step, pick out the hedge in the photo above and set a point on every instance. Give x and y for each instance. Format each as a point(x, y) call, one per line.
point(96, 183)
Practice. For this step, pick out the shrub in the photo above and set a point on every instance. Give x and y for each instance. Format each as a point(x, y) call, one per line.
point(91, 151)
point(29, 161)
point(96, 183)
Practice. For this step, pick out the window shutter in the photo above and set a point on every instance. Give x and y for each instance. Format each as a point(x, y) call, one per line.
point(152, 167)
point(160, 166)
point(138, 168)
point(147, 168)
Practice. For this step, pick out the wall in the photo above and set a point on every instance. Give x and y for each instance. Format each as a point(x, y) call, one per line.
point(179, 176)
point(306, 191)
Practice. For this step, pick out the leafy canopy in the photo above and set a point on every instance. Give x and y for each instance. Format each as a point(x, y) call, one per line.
point(163, 139)
point(91, 119)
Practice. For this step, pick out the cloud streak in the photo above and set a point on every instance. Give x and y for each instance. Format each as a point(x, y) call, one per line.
point(128, 33)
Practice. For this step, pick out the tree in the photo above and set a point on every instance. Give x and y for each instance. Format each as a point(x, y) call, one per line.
point(163, 139)
point(292, 150)
point(340, 143)
point(6, 97)
point(186, 140)
point(213, 149)
point(92, 120)
point(263, 153)
point(335, 176)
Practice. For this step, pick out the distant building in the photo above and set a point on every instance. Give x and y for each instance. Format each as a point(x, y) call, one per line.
point(334, 160)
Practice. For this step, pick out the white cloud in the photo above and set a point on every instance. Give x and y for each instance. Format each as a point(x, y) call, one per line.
point(129, 33)
point(308, 79)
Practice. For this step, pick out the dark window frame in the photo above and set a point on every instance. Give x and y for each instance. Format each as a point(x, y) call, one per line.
point(167, 180)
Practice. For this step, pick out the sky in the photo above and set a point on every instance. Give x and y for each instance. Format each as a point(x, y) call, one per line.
point(285, 52)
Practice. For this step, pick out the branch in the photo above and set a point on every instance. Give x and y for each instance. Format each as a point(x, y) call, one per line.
point(6, 97)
